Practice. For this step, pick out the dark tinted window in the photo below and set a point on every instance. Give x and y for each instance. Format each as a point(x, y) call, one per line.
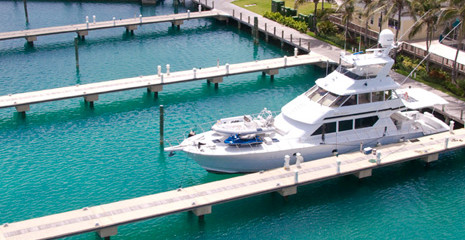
point(346, 125)
point(365, 122)
point(326, 128)
point(351, 101)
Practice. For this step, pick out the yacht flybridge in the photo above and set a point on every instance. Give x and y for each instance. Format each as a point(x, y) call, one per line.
point(358, 103)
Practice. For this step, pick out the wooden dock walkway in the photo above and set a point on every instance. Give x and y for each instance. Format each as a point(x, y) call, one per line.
point(130, 24)
point(105, 219)
point(155, 83)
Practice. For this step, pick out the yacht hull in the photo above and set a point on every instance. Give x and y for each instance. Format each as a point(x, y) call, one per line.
point(253, 160)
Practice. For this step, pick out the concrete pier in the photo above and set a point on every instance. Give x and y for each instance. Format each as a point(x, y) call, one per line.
point(154, 83)
point(131, 24)
point(105, 219)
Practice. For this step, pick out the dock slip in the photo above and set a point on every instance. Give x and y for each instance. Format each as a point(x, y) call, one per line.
point(105, 219)
point(130, 24)
point(155, 83)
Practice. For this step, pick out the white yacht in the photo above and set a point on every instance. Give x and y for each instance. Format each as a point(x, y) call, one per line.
point(359, 103)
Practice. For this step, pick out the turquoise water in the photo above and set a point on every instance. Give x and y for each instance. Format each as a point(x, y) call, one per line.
point(65, 155)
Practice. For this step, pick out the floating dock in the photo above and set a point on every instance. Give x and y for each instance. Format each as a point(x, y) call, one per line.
point(130, 24)
point(105, 219)
point(154, 83)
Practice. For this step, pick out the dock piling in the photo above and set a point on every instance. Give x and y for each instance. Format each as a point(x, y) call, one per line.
point(167, 69)
point(25, 11)
point(338, 162)
point(296, 52)
point(255, 30)
point(451, 127)
point(200, 8)
point(266, 33)
point(76, 51)
point(159, 70)
point(93, 17)
point(114, 21)
point(327, 67)
point(161, 124)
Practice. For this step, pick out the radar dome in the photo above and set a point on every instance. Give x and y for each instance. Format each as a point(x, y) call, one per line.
point(386, 38)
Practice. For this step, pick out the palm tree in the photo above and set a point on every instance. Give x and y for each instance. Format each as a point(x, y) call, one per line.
point(456, 10)
point(395, 7)
point(429, 11)
point(347, 9)
point(367, 12)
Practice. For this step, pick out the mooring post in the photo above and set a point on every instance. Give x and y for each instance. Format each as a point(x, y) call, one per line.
point(274, 31)
point(25, 11)
point(213, 4)
point(461, 114)
point(161, 124)
point(76, 51)
point(308, 47)
point(234, 13)
point(287, 158)
point(291, 38)
point(338, 162)
point(266, 33)
point(300, 42)
point(327, 67)
point(255, 29)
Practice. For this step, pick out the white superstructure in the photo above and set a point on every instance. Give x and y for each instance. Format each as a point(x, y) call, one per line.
point(356, 104)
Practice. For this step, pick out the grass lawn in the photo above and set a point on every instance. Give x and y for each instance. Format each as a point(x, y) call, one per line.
point(262, 6)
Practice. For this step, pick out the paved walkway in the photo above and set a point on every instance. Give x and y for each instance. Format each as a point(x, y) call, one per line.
point(317, 46)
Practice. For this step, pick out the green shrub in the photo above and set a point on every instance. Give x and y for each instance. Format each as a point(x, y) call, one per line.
point(287, 21)
point(327, 27)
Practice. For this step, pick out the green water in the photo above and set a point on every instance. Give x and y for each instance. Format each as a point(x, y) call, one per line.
point(65, 155)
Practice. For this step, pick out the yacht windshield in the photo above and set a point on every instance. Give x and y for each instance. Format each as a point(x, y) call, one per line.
point(358, 73)
point(317, 94)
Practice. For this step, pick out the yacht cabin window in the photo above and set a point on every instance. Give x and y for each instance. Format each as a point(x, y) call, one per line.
point(325, 128)
point(364, 98)
point(346, 125)
point(377, 96)
point(352, 100)
point(365, 122)
point(329, 99)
